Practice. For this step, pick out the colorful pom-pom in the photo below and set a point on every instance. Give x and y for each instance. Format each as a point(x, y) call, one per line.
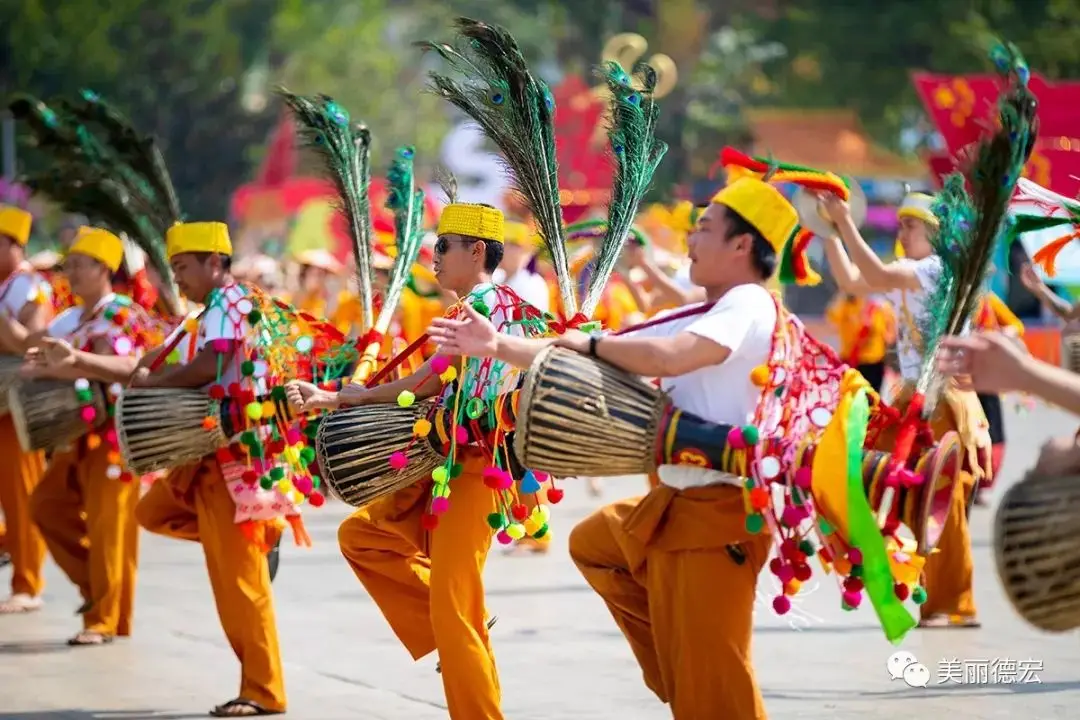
point(918, 595)
point(750, 435)
point(88, 414)
point(406, 398)
point(439, 364)
point(496, 521)
point(429, 522)
point(555, 495)
point(504, 537)
point(516, 531)
point(440, 475)
point(303, 485)
point(448, 376)
point(461, 435)
point(422, 428)
point(316, 498)
point(529, 483)
point(399, 460)
point(760, 375)
point(902, 591)
point(254, 411)
point(852, 599)
point(755, 523)
point(440, 505)
point(781, 605)
point(735, 439)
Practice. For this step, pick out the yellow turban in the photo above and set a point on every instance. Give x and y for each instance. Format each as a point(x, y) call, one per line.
point(763, 206)
point(99, 244)
point(478, 221)
point(518, 233)
point(198, 237)
point(919, 206)
point(15, 223)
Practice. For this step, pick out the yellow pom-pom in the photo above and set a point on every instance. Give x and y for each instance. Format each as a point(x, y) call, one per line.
point(93, 441)
point(540, 514)
point(191, 325)
point(531, 526)
point(792, 587)
point(449, 375)
point(268, 409)
point(284, 485)
point(406, 399)
point(422, 427)
point(253, 410)
point(760, 375)
point(439, 475)
point(291, 455)
point(297, 497)
point(516, 531)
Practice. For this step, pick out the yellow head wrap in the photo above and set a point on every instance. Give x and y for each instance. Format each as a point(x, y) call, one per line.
point(518, 233)
point(198, 237)
point(467, 219)
point(100, 245)
point(763, 206)
point(15, 223)
point(919, 206)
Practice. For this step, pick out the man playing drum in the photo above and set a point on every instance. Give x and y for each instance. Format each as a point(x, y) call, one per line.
point(86, 495)
point(25, 309)
point(428, 581)
point(195, 501)
point(678, 567)
point(907, 282)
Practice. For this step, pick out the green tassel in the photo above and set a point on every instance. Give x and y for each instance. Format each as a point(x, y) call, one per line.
point(787, 259)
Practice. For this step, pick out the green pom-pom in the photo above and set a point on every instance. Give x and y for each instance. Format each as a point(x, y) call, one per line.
point(257, 450)
point(277, 473)
point(312, 428)
point(847, 608)
point(248, 438)
point(750, 434)
point(84, 396)
point(265, 482)
point(307, 455)
point(495, 521)
point(807, 548)
point(918, 595)
point(456, 469)
point(277, 393)
point(481, 307)
point(749, 483)
point(254, 317)
point(316, 481)
point(247, 368)
point(541, 532)
point(755, 523)
point(110, 313)
point(856, 571)
point(824, 526)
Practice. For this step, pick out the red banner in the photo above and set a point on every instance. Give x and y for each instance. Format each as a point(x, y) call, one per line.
point(962, 106)
point(585, 169)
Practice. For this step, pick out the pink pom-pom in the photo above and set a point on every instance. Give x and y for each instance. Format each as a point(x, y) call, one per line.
point(854, 556)
point(398, 460)
point(781, 605)
point(541, 477)
point(503, 538)
point(735, 439)
point(440, 505)
point(221, 345)
point(440, 364)
point(491, 477)
point(110, 436)
point(785, 573)
point(505, 481)
point(461, 435)
point(853, 599)
point(303, 484)
point(792, 516)
point(292, 436)
point(804, 477)
point(88, 414)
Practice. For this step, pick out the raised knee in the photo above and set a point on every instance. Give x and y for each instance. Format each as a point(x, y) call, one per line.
point(144, 515)
point(347, 536)
point(39, 508)
point(580, 540)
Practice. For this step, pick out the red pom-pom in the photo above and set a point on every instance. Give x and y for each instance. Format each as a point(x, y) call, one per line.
point(853, 584)
point(902, 591)
point(250, 477)
point(775, 564)
point(781, 605)
point(317, 499)
point(803, 572)
point(234, 390)
point(224, 455)
point(429, 521)
point(520, 512)
point(217, 392)
point(555, 495)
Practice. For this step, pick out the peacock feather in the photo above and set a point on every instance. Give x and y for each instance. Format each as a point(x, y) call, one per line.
point(973, 220)
point(345, 150)
point(101, 167)
point(406, 200)
point(516, 111)
point(637, 154)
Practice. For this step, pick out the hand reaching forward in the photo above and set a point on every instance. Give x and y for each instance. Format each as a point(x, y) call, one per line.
point(994, 363)
point(306, 397)
point(470, 334)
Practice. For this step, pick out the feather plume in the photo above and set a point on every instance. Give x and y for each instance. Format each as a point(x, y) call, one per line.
point(516, 111)
point(637, 154)
point(447, 183)
point(972, 224)
point(406, 200)
point(345, 150)
point(113, 175)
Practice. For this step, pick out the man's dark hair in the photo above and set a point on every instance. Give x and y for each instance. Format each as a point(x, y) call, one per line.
point(226, 260)
point(762, 253)
point(493, 252)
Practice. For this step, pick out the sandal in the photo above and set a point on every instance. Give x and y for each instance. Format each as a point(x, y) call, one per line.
point(90, 637)
point(20, 603)
point(490, 624)
point(5, 558)
point(242, 708)
point(942, 620)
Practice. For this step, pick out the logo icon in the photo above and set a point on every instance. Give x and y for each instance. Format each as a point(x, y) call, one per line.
point(903, 665)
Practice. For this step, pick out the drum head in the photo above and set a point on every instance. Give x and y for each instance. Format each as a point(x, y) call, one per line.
point(932, 501)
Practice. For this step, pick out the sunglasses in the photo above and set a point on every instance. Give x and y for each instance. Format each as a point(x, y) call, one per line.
point(442, 245)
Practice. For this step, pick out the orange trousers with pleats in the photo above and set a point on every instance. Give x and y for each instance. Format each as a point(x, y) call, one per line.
point(19, 476)
point(429, 585)
point(88, 522)
point(193, 503)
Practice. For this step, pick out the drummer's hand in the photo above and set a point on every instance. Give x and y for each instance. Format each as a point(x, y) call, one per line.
point(470, 334)
point(993, 362)
point(307, 397)
point(140, 378)
point(1029, 278)
point(1059, 456)
point(835, 207)
point(57, 353)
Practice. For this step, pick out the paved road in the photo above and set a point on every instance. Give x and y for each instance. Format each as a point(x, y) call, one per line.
point(559, 653)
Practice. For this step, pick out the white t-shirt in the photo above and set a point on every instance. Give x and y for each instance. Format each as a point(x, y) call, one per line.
point(910, 305)
point(20, 288)
point(225, 318)
point(743, 321)
point(530, 287)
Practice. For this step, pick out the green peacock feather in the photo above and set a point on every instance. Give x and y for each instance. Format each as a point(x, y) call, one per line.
point(516, 111)
point(406, 200)
point(637, 154)
point(972, 224)
point(114, 176)
point(345, 150)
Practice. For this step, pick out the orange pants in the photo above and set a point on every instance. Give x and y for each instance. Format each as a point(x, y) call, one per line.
point(678, 572)
point(193, 503)
point(88, 522)
point(430, 586)
point(948, 575)
point(20, 475)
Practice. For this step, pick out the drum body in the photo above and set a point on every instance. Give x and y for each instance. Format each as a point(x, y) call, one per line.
point(1037, 549)
point(9, 377)
point(354, 446)
point(163, 428)
point(1070, 351)
point(48, 414)
point(579, 417)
